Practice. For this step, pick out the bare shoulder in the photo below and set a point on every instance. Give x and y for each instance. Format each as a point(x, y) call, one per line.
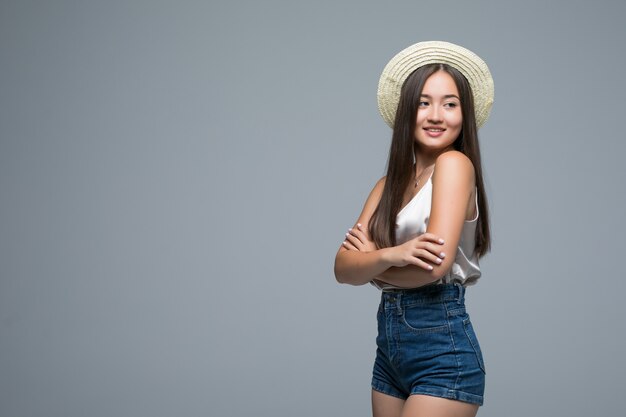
point(376, 193)
point(372, 201)
point(454, 166)
point(454, 160)
point(380, 184)
point(454, 183)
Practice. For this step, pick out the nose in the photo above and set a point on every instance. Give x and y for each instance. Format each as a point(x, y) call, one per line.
point(434, 115)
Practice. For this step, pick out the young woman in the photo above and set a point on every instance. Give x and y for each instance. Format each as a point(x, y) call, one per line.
point(421, 232)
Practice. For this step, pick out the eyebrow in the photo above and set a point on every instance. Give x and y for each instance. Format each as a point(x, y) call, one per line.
point(446, 96)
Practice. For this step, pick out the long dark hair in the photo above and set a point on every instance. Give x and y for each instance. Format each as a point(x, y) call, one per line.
point(382, 224)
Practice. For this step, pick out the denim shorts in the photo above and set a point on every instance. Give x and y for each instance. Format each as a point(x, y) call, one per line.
point(426, 345)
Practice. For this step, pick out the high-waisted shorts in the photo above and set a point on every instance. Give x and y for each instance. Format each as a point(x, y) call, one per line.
point(426, 345)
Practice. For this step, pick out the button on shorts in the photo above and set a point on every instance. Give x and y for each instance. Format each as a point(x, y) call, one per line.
point(426, 345)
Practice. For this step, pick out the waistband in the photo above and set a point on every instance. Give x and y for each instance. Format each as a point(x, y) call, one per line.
point(433, 293)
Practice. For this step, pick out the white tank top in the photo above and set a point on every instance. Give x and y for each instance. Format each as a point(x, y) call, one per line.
point(412, 221)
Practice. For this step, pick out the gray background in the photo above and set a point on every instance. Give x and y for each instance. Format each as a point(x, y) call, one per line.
point(175, 178)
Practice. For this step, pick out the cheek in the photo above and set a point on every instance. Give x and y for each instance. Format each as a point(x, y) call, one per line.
point(457, 121)
point(458, 115)
point(420, 116)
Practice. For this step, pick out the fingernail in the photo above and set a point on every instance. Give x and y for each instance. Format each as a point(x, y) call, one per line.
point(438, 260)
point(441, 241)
point(430, 267)
point(358, 224)
point(443, 255)
point(350, 229)
point(347, 234)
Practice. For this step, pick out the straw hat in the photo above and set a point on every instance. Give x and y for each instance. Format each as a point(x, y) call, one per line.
point(422, 53)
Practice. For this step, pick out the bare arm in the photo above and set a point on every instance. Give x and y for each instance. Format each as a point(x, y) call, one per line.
point(453, 182)
point(366, 262)
point(360, 267)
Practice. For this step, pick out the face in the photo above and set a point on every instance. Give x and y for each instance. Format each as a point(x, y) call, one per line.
point(439, 118)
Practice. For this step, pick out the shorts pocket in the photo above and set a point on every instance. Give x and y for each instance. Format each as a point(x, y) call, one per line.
point(425, 319)
point(469, 331)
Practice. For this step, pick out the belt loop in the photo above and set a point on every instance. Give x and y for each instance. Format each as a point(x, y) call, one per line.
point(399, 303)
point(461, 293)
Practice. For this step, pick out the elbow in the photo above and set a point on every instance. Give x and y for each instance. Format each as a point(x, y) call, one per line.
point(341, 277)
point(346, 272)
point(342, 272)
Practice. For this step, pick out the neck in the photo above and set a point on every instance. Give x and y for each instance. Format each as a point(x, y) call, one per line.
point(424, 160)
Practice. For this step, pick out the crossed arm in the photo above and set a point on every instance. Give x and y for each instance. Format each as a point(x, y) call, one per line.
point(424, 259)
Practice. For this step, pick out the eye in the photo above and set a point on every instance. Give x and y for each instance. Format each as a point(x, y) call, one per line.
point(422, 104)
point(451, 105)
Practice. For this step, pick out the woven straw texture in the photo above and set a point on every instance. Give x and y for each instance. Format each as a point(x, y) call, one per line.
point(408, 60)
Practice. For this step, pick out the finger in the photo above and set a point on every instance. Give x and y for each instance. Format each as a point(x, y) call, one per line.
point(359, 234)
point(365, 231)
point(428, 256)
point(348, 245)
point(354, 240)
point(435, 249)
point(432, 238)
point(420, 263)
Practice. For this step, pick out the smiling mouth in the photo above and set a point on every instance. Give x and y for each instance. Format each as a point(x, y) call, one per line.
point(434, 129)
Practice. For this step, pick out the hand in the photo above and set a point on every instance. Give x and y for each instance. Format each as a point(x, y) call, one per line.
point(418, 251)
point(358, 239)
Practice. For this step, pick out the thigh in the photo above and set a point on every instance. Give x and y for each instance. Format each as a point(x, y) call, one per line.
point(428, 406)
point(384, 405)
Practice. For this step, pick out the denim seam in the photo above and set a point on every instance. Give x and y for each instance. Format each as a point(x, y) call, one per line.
point(425, 330)
point(430, 301)
point(456, 353)
point(387, 335)
point(481, 363)
point(448, 393)
point(385, 389)
point(457, 312)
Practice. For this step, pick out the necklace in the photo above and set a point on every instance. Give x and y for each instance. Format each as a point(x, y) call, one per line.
point(418, 178)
